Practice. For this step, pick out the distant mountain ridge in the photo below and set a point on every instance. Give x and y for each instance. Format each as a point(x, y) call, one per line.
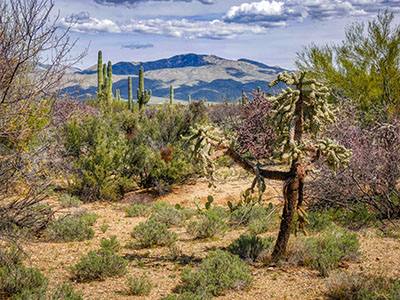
point(200, 76)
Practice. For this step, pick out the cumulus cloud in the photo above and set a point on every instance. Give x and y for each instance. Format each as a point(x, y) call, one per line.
point(183, 28)
point(135, 46)
point(277, 13)
point(134, 2)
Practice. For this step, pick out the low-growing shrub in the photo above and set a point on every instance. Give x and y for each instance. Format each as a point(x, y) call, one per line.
point(218, 272)
point(343, 286)
point(137, 210)
point(319, 220)
point(19, 282)
point(139, 286)
point(98, 265)
point(326, 250)
point(165, 213)
point(66, 200)
point(90, 218)
point(208, 224)
point(110, 244)
point(188, 296)
point(249, 247)
point(66, 292)
point(259, 225)
point(69, 228)
point(152, 233)
point(257, 214)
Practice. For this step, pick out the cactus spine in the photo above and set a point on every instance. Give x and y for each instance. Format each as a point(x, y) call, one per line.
point(130, 95)
point(143, 95)
point(171, 95)
point(100, 78)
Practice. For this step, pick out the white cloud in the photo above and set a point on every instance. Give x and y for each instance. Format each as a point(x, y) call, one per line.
point(183, 28)
point(134, 2)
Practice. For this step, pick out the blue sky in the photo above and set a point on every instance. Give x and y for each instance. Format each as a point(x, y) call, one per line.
point(271, 32)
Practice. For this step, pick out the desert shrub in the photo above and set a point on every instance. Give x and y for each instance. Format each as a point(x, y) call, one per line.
point(249, 247)
point(254, 132)
point(225, 115)
point(98, 265)
point(319, 220)
point(218, 272)
point(187, 296)
point(343, 286)
point(110, 244)
point(208, 224)
point(89, 218)
point(367, 189)
point(152, 233)
point(257, 218)
point(326, 250)
point(66, 291)
point(137, 210)
point(165, 213)
point(188, 212)
point(69, 228)
point(66, 200)
point(259, 225)
point(11, 256)
point(19, 282)
point(139, 286)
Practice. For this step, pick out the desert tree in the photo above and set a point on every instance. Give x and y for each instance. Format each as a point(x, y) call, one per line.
point(34, 57)
point(298, 115)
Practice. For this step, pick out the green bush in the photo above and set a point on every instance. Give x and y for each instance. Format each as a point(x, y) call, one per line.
point(187, 296)
point(66, 200)
point(137, 210)
point(218, 272)
point(110, 244)
point(259, 225)
point(327, 249)
point(19, 282)
point(98, 265)
point(89, 218)
point(208, 224)
point(139, 286)
point(257, 218)
point(249, 247)
point(343, 286)
point(152, 233)
point(319, 221)
point(66, 292)
point(165, 213)
point(69, 228)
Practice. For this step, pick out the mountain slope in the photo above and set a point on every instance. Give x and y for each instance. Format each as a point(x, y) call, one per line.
point(201, 76)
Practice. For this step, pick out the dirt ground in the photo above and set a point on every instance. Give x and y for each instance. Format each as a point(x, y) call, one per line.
point(380, 255)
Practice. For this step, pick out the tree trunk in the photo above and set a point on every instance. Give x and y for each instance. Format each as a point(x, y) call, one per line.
point(291, 193)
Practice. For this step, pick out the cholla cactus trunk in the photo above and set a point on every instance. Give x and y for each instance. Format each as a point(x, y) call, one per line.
point(130, 96)
point(171, 95)
point(100, 78)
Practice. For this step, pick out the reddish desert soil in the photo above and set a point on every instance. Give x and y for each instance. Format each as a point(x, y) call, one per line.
point(380, 255)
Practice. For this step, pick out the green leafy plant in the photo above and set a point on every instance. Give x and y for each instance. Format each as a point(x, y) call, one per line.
point(219, 271)
point(98, 265)
point(152, 233)
point(249, 247)
point(66, 200)
point(66, 291)
point(69, 228)
point(208, 224)
point(140, 286)
point(110, 244)
point(137, 210)
point(165, 213)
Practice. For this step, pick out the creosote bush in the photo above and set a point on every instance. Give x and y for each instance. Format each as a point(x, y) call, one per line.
point(139, 286)
point(137, 210)
point(344, 286)
point(69, 228)
point(327, 249)
point(208, 224)
point(249, 247)
point(152, 233)
point(218, 272)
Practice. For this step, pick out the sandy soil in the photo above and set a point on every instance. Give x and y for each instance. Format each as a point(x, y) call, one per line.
point(277, 282)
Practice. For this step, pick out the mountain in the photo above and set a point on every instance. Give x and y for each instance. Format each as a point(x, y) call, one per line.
point(201, 76)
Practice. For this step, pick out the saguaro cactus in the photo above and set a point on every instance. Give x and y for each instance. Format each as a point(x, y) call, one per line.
point(189, 99)
point(117, 95)
point(171, 95)
point(244, 99)
point(130, 94)
point(100, 78)
point(143, 95)
point(109, 92)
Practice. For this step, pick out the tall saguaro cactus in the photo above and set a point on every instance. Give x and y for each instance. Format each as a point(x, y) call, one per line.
point(100, 78)
point(244, 98)
point(171, 95)
point(143, 96)
point(189, 100)
point(109, 92)
point(299, 115)
point(130, 94)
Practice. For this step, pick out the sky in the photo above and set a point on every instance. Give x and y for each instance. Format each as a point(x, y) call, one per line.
point(268, 31)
